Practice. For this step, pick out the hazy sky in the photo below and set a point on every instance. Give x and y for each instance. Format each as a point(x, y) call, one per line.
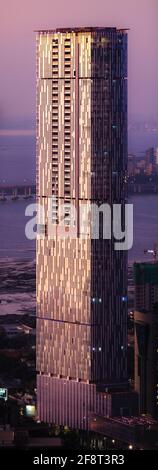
point(20, 18)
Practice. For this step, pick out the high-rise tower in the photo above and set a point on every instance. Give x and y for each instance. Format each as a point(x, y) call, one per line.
point(81, 281)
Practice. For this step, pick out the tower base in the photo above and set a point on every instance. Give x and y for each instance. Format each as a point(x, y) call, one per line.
point(69, 402)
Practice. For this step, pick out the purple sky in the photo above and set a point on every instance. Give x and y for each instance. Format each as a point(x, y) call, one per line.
point(17, 48)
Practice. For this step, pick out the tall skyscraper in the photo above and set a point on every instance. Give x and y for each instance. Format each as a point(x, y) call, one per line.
point(81, 281)
point(150, 160)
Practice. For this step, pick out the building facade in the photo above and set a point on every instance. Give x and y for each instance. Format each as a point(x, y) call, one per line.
point(81, 280)
point(146, 336)
point(146, 285)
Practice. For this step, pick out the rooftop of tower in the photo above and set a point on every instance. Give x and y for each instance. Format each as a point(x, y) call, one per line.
point(84, 29)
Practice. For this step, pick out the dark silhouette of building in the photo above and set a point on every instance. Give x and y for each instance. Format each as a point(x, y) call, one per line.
point(146, 336)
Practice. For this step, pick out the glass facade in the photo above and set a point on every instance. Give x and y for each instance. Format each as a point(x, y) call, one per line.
point(81, 159)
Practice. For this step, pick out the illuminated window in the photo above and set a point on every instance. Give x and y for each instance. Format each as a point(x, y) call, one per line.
point(124, 298)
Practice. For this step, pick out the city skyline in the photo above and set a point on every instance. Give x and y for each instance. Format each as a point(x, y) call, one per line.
point(79, 225)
